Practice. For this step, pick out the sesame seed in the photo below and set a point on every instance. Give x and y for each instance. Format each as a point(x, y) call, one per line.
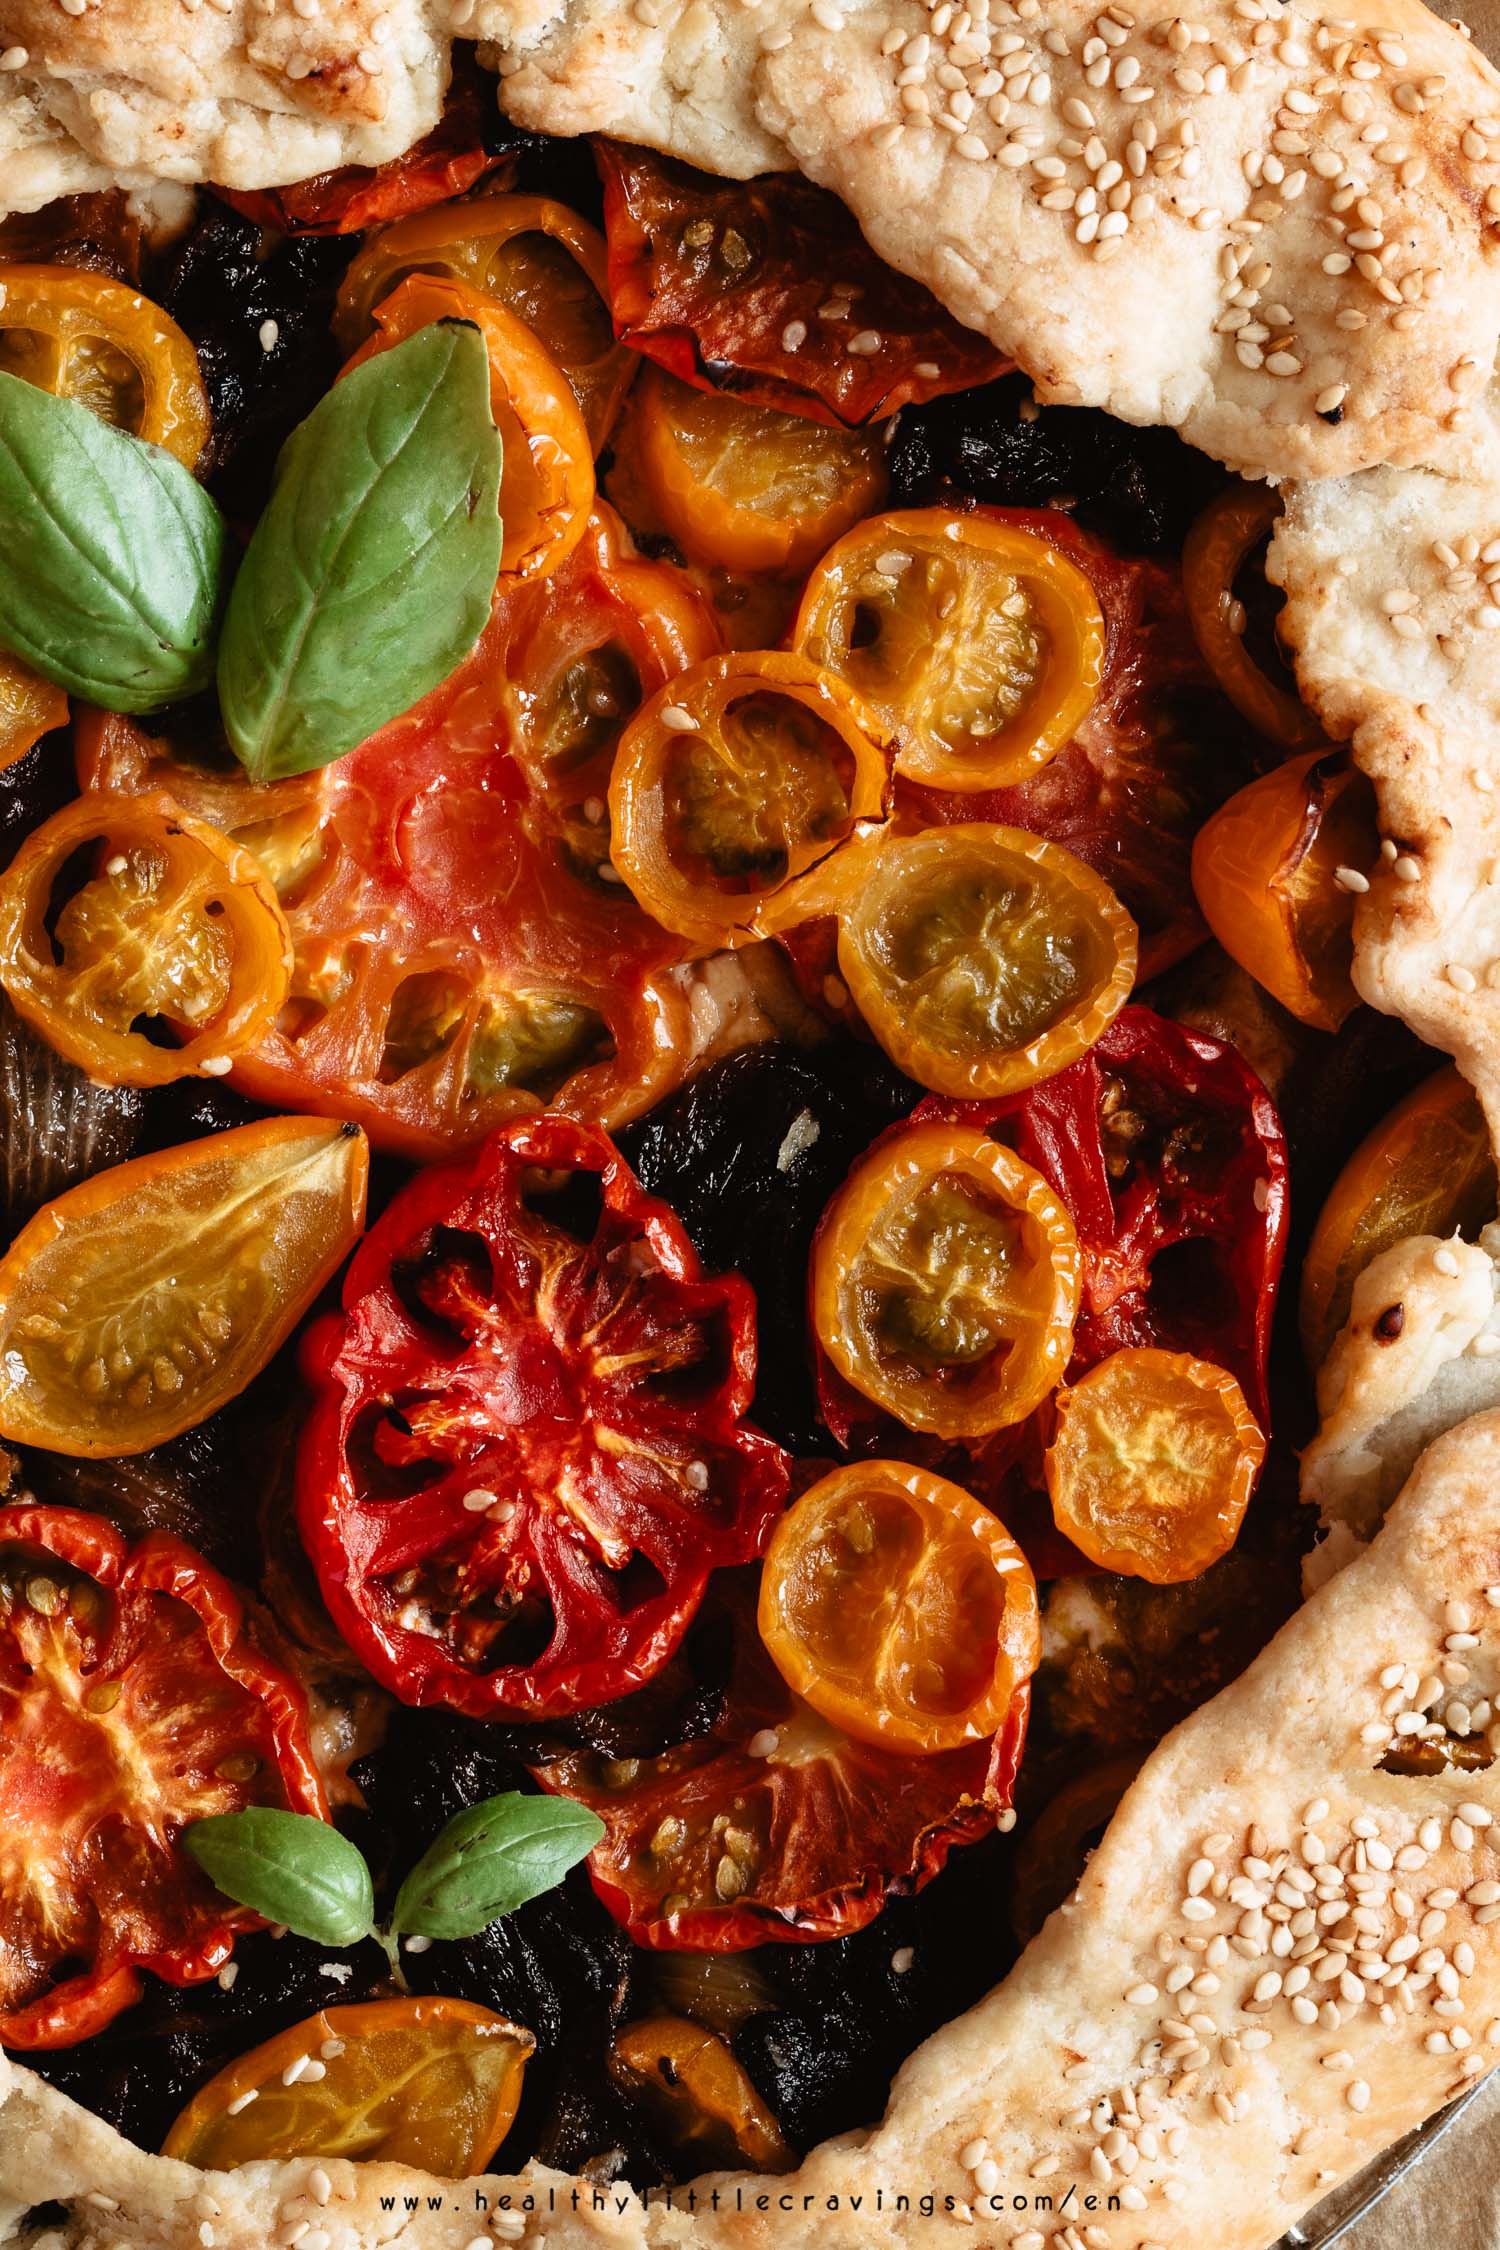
point(676, 720)
point(243, 2101)
point(902, 1959)
point(1357, 2094)
point(763, 1743)
point(14, 58)
point(295, 2070)
point(1350, 878)
point(269, 333)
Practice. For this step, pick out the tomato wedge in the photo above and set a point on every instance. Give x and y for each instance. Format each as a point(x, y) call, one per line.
point(86, 337)
point(133, 1700)
point(977, 639)
point(688, 2080)
point(140, 1301)
point(982, 958)
point(1153, 1464)
point(175, 928)
point(1218, 549)
point(776, 1828)
point(29, 708)
point(899, 1609)
point(945, 1281)
point(527, 1450)
point(429, 2082)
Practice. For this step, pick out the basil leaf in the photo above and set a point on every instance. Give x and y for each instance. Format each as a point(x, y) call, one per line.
point(290, 1867)
point(492, 1859)
point(111, 555)
point(370, 573)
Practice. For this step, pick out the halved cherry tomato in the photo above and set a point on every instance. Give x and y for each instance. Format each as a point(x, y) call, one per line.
point(1427, 1168)
point(99, 342)
point(899, 1608)
point(745, 487)
point(536, 257)
point(945, 1281)
point(29, 707)
point(1216, 551)
point(528, 1448)
point(464, 950)
point(689, 2083)
point(171, 926)
point(1153, 1464)
point(735, 786)
point(981, 958)
point(1266, 869)
point(133, 1700)
point(776, 1828)
point(140, 1301)
point(767, 288)
point(547, 462)
point(427, 2081)
point(977, 640)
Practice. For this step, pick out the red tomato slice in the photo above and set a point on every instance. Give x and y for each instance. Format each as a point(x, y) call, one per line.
point(760, 287)
point(528, 1448)
point(776, 1827)
point(132, 1701)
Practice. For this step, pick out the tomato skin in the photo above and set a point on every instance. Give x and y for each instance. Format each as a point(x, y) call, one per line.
point(160, 1565)
point(1216, 548)
point(588, 1457)
point(67, 312)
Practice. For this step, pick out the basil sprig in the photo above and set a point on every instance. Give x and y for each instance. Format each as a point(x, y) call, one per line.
point(111, 556)
point(371, 571)
point(490, 1859)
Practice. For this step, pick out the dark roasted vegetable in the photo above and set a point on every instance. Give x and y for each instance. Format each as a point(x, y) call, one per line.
point(100, 232)
point(56, 1125)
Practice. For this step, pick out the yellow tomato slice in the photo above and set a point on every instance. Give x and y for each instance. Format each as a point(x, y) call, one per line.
point(689, 2082)
point(899, 1608)
point(1427, 1168)
point(138, 1302)
point(1153, 1464)
point(86, 337)
point(29, 707)
point(945, 1281)
point(428, 2082)
point(978, 642)
point(982, 958)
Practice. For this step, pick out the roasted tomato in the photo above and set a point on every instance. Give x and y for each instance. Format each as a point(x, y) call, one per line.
point(1427, 1168)
point(172, 928)
point(1240, 647)
point(86, 337)
point(768, 289)
point(979, 642)
point(945, 1281)
point(1275, 872)
point(733, 789)
point(547, 472)
point(746, 487)
point(699, 2096)
point(537, 258)
point(1153, 1463)
point(982, 958)
point(143, 1299)
point(423, 2081)
point(132, 1701)
point(775, 1827)
point(431, 1000)
point(29, 707)
point(899, 1608)
point(528, 1448)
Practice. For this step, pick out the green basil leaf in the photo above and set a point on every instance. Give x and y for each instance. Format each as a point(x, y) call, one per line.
point(370, 573)
point(492, 1859)
point(290, 1867)
point(111, 555)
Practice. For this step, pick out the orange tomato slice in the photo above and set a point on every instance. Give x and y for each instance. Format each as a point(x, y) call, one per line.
point(899, 1608)
point(945, 1281)
point(689, 2081)
point(29, 707)
point(1153, 1464)
point(89, 338)
point(428, 2082)
point(1266, 870)
point(1217, 549)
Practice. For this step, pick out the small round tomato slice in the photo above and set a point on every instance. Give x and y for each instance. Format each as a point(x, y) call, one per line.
point(1218, 549)
point(29, 707)
point(172, 926)
point(1267, 871)
point(89, 338)
point(140, 1301)
point(1427, 1168)
point(1154, 1460)
point(427, 2081)
point(978, 641)
point(133, 1700)
point(945, 1281)
point(747, 488)
point(982, 958)
point(547, 466)
point(528, 1448)
point(733, 789)
point(688, 2081)
point(899, 1608)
